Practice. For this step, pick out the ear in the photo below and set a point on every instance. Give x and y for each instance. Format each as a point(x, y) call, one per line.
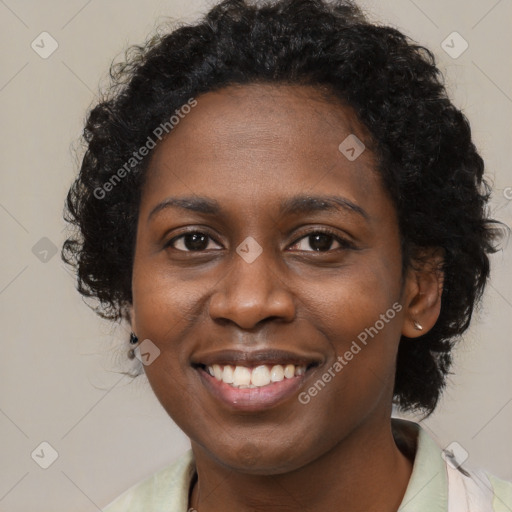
point(422, 292)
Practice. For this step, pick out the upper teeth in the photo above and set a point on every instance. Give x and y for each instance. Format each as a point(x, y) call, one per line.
point(244, 377)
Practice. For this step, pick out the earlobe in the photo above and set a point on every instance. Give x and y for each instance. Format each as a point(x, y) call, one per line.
point(417, 325)
point(134, 340)
point(423, 291)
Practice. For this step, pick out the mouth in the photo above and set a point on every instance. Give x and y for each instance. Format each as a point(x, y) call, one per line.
point(254, 381)
point(245, 377)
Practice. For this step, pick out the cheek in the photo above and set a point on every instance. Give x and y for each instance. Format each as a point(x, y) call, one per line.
point(163, 304)
point(348, 301)
point(164, 309)
point(360, 315)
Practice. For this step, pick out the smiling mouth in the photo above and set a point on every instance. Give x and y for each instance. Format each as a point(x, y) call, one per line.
point(246, 377)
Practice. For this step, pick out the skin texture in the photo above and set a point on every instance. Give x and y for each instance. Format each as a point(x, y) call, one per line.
point(250, 148)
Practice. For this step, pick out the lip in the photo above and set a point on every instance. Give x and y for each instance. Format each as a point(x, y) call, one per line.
point(252, 358)
point(260, 398)
point(252, 399)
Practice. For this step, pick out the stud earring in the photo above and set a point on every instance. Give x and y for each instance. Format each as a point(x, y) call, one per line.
point(133, 341)
point(417, 325)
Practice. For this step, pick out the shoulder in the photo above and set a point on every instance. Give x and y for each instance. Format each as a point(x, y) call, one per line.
point(166, 490)
point(478, 490)
point(475, 489)
point(440, 479)
point(502, 491)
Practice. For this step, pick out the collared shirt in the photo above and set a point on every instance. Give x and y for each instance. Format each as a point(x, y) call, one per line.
point(437, 484)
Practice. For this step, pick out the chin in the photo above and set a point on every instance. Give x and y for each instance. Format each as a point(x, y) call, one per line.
point(254, 459)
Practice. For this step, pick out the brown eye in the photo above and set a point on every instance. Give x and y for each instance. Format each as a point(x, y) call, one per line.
point(191, 242)
point(321, 241)
point(318, 242)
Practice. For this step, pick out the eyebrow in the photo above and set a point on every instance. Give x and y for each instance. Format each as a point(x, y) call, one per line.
point(195, 204)
point(291, 206)
point(310, 204)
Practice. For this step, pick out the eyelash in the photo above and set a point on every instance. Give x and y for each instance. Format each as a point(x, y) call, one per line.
point(344, 244)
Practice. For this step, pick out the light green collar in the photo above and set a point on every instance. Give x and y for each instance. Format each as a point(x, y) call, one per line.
point(427, 490)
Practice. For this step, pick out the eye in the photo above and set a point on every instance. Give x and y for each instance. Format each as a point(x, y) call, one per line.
point(191, 242)
point(321, 241)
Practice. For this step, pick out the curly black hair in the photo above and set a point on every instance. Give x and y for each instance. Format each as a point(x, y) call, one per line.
point(422, 143)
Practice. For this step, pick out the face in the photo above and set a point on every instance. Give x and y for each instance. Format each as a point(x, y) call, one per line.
point(263, 250)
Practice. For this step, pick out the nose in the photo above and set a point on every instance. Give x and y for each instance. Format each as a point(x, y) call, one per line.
point(251, 293)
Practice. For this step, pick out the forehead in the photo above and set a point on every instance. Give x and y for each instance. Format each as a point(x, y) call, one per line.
point(247, 116)
point(262, 138)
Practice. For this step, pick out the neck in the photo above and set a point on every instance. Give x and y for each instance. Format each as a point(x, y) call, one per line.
point(363, 472)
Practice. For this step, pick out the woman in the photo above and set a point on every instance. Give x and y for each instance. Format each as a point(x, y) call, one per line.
point(290, 213)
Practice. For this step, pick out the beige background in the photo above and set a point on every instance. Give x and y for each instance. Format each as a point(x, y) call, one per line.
point(59, 369)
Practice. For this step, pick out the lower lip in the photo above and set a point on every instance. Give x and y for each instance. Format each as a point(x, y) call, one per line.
point(252, 399)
